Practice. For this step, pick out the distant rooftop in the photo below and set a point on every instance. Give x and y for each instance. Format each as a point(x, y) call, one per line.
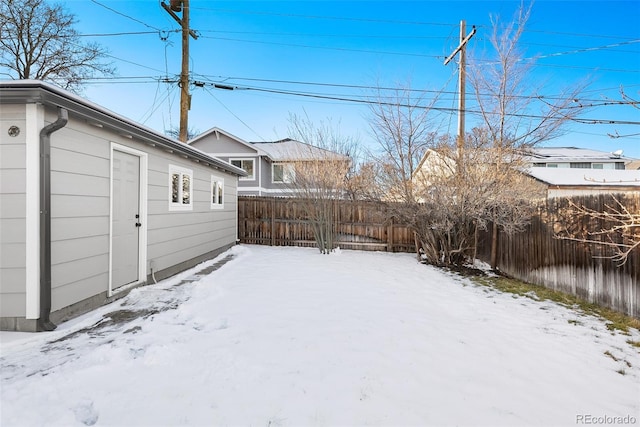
point(290, 149)
point(574, 154)
point(586, 177)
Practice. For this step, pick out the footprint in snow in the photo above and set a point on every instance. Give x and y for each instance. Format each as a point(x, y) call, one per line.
point(86, 413)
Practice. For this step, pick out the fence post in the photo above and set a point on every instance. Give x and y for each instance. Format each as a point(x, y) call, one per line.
point(390, 236)
point(273, 221)
point(241, 216)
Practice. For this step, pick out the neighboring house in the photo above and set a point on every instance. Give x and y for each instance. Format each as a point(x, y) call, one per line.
point(270, 166)
point(580, 182)
point(577, 158)
point(570, 179)
point(93, 204)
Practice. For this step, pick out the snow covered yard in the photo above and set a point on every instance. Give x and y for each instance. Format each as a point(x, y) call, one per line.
point(289, 337)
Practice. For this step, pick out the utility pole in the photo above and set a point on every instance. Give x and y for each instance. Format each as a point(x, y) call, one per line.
point(461, 85)
point(185, 97)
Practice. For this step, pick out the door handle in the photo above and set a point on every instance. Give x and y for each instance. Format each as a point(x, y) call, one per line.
point(138, 224)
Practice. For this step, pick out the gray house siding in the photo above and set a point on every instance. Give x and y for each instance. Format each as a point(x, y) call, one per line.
point(220, 143)
point(175, 237)
point(12, 211)
point(82, 210)
point(80, 179)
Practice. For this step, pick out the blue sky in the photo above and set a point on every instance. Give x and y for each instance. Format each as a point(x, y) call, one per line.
point(265, 48)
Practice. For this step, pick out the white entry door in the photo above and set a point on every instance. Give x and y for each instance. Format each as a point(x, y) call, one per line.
point(126, 221)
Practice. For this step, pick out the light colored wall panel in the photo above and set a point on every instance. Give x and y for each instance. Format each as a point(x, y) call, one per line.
point(70, 272)
point(73, 228)
point(79, 185)
point(13, 255)
point(12, 231)
point(12, 205)
point(71, 293)
point(65, 251)
point(12, 280)
point(12, 156)
point(79, 163)
point(65, 206)
point(12, 113)
point(213, 144)
point(12, 305)
point(12, 181)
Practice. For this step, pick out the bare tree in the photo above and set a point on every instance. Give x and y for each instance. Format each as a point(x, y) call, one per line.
point(401, 126)
point(38, 41)
point(614, 227)
point(174, 133)
point(320, 174)
point(505, 100)
point(462, 202)
point(417, 170)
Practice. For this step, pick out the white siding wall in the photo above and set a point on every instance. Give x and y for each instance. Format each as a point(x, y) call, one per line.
point(80, 208)
point(12, 212)
point(80, 174)
point(178, 236)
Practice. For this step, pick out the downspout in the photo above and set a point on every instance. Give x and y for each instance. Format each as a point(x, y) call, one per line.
point(44, 323)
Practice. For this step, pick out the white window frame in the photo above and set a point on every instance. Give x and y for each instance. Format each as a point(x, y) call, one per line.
point(180, 205)
point(217, 192)
point(251, 177)
point(288, 173)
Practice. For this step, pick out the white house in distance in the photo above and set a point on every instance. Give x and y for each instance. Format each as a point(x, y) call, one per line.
point(583, 182)
point(269, 165)
point(576, 158)
point(93, 204)
point(562, 172)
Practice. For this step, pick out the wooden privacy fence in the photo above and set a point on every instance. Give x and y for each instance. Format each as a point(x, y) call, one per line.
point(535, 255)
point(578, 268)
point(280, 221)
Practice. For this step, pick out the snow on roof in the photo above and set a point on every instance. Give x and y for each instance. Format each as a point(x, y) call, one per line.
point(587, 177)
point(568, 154)
point(289, 149)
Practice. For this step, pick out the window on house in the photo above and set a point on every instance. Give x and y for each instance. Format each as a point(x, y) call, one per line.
point(597, 166)
point(217, 192)
point(581, 165)
point(282, 173)
point(552, 165)
point(620, 165)
point(247, 165)
point(181, 188)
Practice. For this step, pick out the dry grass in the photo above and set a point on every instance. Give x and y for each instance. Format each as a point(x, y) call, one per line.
point(614, 319)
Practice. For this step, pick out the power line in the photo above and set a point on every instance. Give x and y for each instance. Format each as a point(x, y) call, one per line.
point(586, 49)
point(130, 33)
point(342, 36)
point(232, 113)
point(404, 105)
point(324, 47)
point(223, 79)
point(126, 16)
point(336, 18)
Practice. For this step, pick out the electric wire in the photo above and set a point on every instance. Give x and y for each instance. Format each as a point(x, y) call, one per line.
point(233, 114)
point(125, 15)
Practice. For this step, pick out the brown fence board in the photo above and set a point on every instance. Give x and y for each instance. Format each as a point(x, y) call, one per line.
point(281, 222)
